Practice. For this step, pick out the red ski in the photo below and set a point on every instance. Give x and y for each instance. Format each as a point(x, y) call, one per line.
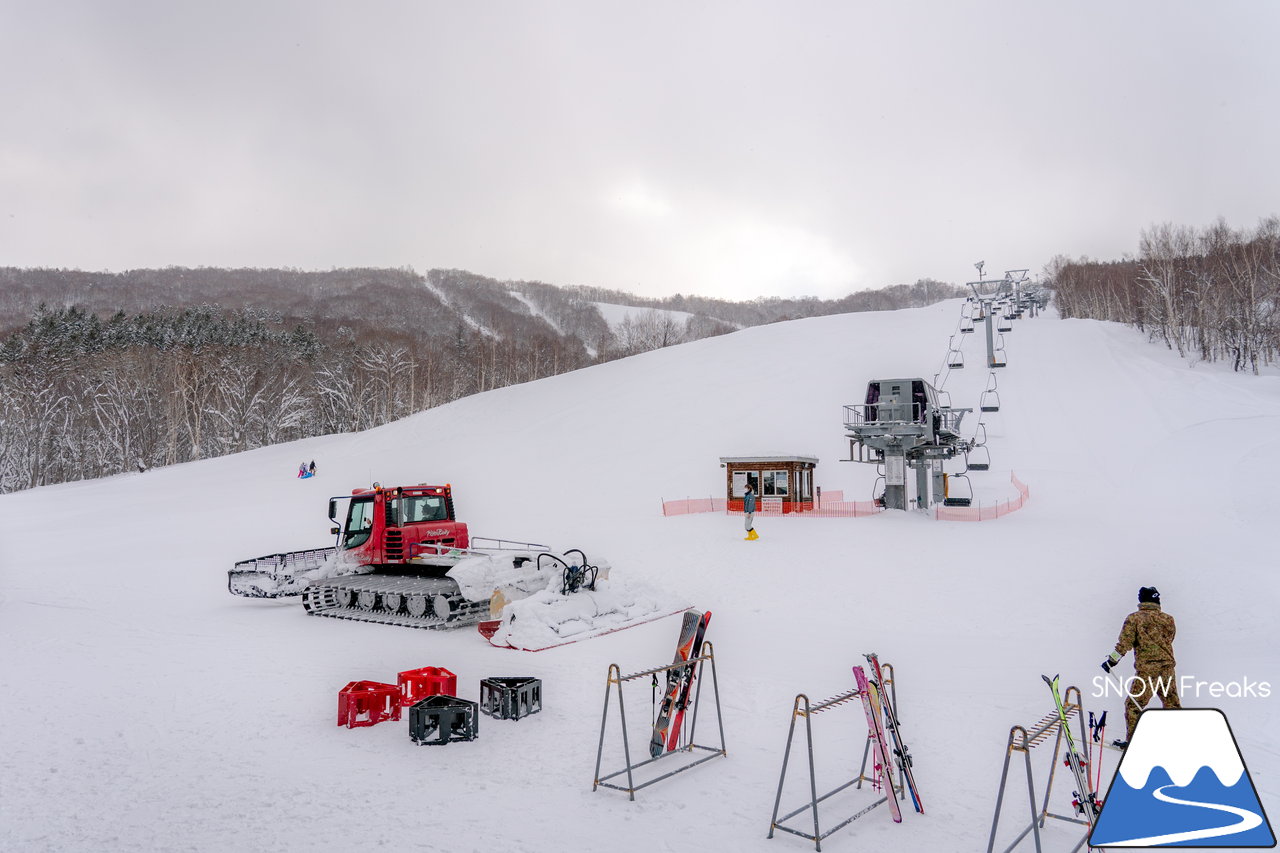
point(673, 737)
point(689, 633)
point(880, 749)
point(899, 746)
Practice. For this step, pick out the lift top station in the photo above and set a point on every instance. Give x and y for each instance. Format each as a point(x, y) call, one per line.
point(902, 425)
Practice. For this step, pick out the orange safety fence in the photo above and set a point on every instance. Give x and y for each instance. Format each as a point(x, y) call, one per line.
point(986, 513)
point(830, 508)
point(833, 506)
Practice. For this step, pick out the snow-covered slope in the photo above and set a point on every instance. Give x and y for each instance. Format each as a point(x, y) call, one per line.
point(145, 708)
point(615, 315)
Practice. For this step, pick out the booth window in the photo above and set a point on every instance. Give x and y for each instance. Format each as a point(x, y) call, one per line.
point(773, 483)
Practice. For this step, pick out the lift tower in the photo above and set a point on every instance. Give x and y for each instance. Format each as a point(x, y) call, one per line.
point(902, 425)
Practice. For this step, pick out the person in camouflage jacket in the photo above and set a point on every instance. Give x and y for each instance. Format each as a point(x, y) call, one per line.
point(1149, 632)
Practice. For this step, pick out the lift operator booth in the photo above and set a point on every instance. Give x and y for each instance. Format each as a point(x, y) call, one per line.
point(781, 483)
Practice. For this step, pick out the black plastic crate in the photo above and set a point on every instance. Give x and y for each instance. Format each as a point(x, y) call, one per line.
point(441, 719)
point(511, 698)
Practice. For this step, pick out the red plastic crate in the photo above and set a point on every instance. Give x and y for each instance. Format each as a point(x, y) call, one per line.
point(367, 703)
point(416, 684)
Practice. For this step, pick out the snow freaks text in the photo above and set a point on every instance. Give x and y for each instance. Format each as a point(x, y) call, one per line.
point(1187, 686)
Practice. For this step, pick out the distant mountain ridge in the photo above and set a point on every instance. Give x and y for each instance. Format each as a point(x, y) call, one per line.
point(108, 372)
point(404, 301)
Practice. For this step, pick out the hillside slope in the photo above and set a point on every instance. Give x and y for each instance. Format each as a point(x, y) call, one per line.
point(149, 709)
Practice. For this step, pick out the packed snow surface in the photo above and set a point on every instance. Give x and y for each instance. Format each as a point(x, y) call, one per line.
point(147, 709)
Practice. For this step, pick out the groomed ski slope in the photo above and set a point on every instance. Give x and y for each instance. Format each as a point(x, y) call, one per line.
point(147, 709)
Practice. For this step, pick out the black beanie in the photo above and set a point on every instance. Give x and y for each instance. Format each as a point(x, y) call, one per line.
point(1149, 594)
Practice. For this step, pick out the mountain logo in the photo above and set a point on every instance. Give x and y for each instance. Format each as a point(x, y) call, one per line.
point(1182, 783)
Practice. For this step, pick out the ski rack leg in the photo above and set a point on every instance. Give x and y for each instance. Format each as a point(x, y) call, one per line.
point(813, 780)
point(615, 677)
point(708, 654)
point(1032, 737)
point(803, 708)
point(1016, 744)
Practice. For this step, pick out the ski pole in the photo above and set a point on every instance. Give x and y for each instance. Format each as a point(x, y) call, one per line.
point(1099, 737)
point(1120, 685)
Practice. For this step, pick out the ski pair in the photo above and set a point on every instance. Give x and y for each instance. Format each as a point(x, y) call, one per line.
point(1085, 802)
point(899, 745)
point(666, 730)
point(871, 696)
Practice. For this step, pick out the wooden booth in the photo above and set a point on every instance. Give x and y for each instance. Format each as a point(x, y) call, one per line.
point(781, 483)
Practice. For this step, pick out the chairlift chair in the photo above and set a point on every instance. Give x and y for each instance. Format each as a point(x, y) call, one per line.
point(1005, 324)
point(980, 435)
point(965, 491)
point(955, 358)
point(978, 459)
point(966, 326)
point(990, 400)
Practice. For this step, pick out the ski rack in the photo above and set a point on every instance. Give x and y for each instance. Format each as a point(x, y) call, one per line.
point(804, 708)
point(1026, 738)
point(617, 679)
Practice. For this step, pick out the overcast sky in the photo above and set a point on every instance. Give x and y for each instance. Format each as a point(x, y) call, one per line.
point(733, 149)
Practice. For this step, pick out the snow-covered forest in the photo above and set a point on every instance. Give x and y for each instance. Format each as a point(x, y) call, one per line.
point(1210, 293)
point(103, 373)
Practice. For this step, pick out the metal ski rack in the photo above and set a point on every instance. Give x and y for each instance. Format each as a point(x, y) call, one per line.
point(804, 708)
point(1023, 739)
point(616, 679)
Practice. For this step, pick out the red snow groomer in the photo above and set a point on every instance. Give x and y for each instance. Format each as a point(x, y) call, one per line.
point(394, 551)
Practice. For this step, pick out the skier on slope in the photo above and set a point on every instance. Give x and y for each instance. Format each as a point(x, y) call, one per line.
point(749, 509)
point(1149, 631)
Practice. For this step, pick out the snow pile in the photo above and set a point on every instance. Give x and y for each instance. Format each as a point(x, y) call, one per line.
point(517, 574)
point(537, 613)
point(478, 577)
point(548, 618)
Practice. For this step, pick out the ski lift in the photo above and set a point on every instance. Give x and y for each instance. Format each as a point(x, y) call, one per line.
point(944, 398)
point(980, 435)
point(990, 400)
point(966, 326)
point(955, 358)
point(957, 490)
point(980, 314)
point(998, 357)
point(1005, 323)
point(878, 488)
point(978, 459)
